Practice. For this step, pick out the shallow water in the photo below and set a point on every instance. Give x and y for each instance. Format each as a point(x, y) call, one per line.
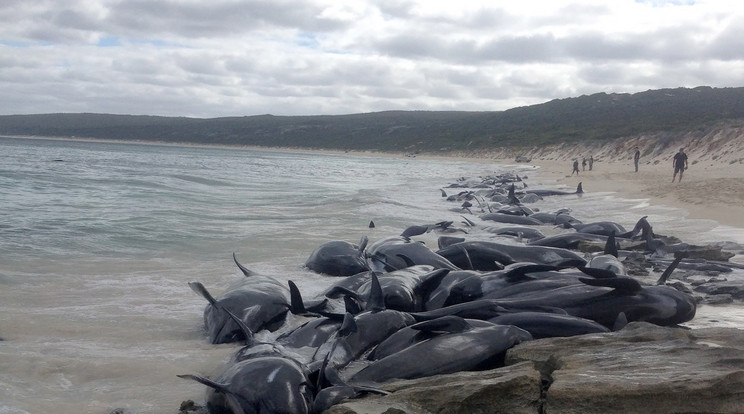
point(99, 240)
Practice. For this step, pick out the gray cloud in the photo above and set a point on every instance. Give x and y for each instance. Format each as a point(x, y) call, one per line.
point(240, 57)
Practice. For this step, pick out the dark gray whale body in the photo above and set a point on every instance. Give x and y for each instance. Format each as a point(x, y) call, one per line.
point(483, 255)
point(261, 302)
point(478, 346)
point(338, 258)
point(395, 253)
point(511, 218)
point(269, 384)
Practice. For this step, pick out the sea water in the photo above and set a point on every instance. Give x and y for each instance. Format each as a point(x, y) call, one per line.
point(98, 241)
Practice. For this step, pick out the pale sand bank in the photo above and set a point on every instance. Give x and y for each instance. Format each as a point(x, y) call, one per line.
point(708, 190)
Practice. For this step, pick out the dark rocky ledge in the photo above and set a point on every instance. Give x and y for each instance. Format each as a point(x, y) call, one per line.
point(642, 368)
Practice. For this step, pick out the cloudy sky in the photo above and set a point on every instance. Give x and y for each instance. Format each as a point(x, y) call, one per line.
point(215, 58)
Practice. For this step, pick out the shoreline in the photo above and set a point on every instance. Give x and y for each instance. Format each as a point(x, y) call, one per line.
point(712, 187)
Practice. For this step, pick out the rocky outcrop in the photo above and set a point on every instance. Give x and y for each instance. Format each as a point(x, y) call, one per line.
point(643, 368)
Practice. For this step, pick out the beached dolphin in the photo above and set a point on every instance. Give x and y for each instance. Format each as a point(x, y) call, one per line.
point(483, 255)
point(404, 290)
point(546, 193)
point(558, 218)
point(603, 300)
point(522, 232)
point(476, 346)
point(261, 302)
point(549, 325)
point(510, 218)
point(372, 328)
point(413, 334)
point(338, 258)
point(395, 253)
point(609, 259)
point(271, 384)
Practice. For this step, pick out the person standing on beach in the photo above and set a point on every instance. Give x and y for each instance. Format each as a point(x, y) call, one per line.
point(636, 158)
point(591, 162)
point(575, 167)
point(679, 163)
point(583, 164)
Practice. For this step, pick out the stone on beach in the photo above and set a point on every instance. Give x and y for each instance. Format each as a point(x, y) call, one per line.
point(642, 368)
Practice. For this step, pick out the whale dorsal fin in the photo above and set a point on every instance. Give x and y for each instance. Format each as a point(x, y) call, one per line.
point(611, 245)
point(376, 301)
point(626, 285)
point(348, 326)
point(620, 322)
point(297, 306)
point(433, 279)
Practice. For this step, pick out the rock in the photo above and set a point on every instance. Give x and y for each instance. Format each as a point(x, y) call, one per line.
point(514, 389)
point(641, 369)
point(636, 264)
point(709, 252)
point(719, 299)
point(735, 289)
point(190, 407)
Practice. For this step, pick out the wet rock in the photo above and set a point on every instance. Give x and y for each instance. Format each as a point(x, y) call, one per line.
point(190, 407)
point(515, 389)
point(636, 264)
point(641, 369)
point(719, 299)
point(735, 289)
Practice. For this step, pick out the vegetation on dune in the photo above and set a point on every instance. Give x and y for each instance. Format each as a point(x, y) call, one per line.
point(597, 117)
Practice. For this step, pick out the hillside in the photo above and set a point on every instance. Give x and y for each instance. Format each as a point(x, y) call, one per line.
point(599, 118)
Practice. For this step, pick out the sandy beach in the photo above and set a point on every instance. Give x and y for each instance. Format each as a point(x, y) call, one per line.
point(712, 187)
point(708, 190)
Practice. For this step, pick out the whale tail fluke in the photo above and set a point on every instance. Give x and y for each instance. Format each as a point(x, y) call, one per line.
point(245, 270)
point(199, 288)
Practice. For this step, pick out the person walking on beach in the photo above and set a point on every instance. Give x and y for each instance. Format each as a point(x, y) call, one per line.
point(591, 162)
point(636, 158)
point(679, 163)
point(583, 164)
point(575, 167)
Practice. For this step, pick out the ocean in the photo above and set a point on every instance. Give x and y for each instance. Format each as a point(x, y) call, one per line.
point(98, 241)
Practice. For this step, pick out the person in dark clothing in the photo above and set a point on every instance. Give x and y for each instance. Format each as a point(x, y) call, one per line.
point(583, 165)
point(636, 158)
point(679, 163)
point(575, 167)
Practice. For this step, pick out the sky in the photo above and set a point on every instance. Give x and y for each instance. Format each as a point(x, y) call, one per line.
point(215, 58)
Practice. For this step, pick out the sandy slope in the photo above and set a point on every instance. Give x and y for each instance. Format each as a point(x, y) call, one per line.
point(712, 187)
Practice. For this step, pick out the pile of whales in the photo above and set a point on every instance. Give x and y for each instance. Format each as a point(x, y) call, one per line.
point(397, 309)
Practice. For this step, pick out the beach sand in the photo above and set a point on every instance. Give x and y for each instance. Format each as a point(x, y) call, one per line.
point(709, 189)
point(712, 187)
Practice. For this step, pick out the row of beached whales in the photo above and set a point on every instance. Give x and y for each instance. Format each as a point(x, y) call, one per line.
point(400, 310)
